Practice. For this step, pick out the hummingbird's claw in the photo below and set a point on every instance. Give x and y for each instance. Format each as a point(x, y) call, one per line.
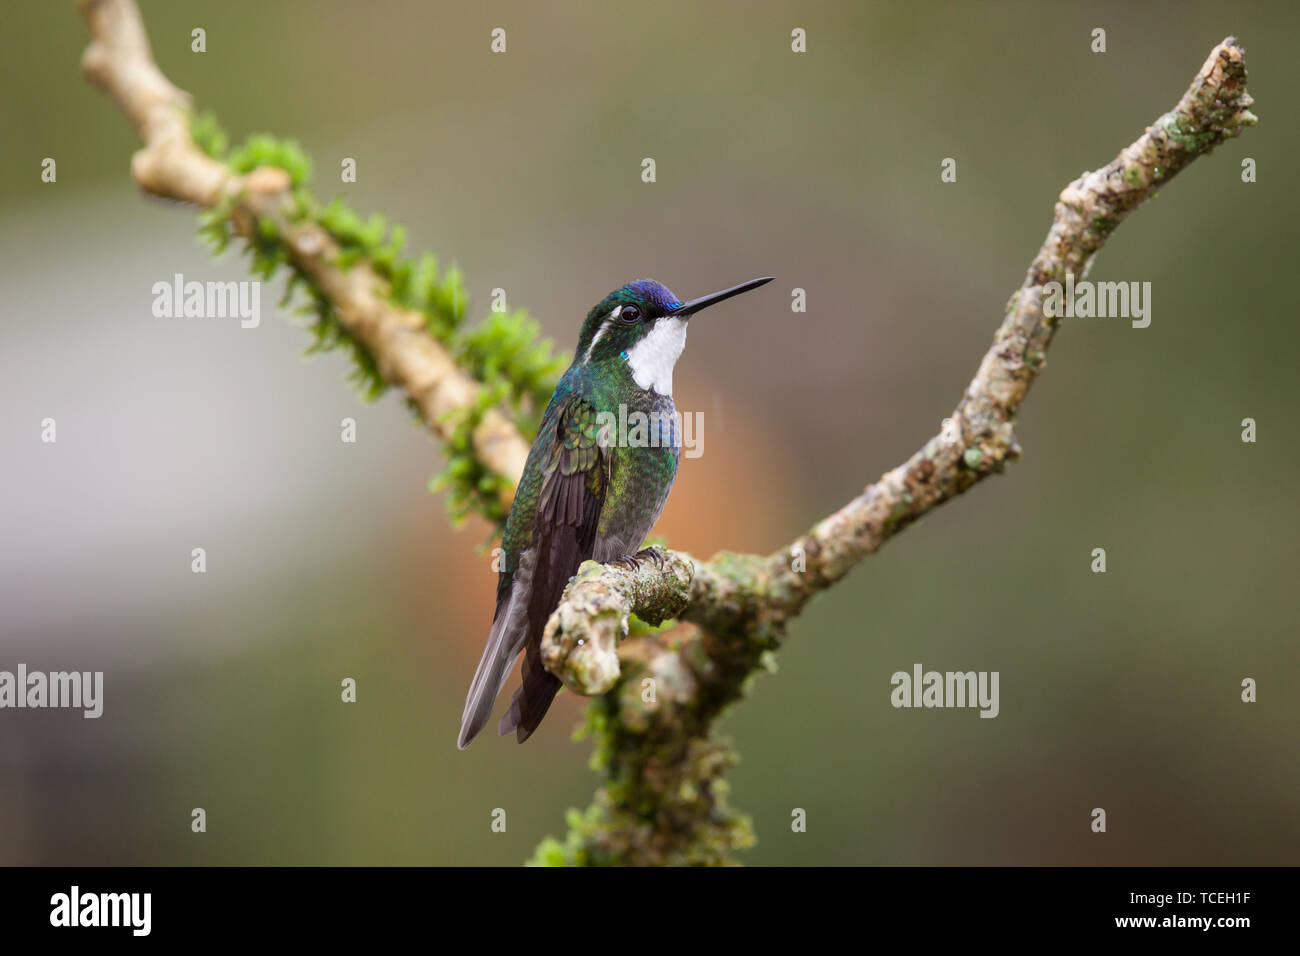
point(654, 554)
point(633, 561)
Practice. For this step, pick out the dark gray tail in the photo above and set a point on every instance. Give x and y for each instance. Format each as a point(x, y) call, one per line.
point(533, 698)
point(509, 632)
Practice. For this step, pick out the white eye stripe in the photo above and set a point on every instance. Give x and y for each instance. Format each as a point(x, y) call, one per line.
point(594, 339)
point(617, 311)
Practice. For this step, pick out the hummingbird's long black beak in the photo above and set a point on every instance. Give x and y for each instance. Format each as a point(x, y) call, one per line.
point(688, 309)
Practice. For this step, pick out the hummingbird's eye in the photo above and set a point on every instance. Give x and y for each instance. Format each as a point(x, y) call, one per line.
point(629, 314)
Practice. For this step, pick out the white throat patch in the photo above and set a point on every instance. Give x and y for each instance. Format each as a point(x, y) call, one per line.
point(652, 359)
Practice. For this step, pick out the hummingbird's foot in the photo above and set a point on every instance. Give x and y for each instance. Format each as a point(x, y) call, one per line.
point(654, 554)
point(633, 561)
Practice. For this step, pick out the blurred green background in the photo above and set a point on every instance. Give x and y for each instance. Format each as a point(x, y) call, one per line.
point(328, 560)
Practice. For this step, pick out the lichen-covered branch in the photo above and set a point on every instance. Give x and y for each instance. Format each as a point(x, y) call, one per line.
point(262, 206)
point(660, 691)
point(665, 799)
point(580, 644)
point(980, 438)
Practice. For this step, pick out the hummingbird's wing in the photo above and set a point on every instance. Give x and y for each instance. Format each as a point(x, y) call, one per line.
point(574, 477)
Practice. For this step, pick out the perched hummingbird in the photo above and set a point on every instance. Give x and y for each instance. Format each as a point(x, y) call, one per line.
point(584, 495)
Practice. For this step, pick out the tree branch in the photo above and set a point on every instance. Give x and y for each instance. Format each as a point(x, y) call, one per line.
point(664, 800)
point(580, 644)
point(740, 604)
point(171, 166)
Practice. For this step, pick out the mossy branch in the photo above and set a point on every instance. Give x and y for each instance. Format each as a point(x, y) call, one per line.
point(399, 318)
point(580, 644)
point(661, 689)
point(655, 751)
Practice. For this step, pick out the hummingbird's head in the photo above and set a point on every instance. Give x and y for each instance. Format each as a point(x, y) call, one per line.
point(644, 325)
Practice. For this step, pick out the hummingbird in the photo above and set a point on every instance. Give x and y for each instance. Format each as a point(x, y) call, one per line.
point(586, 494)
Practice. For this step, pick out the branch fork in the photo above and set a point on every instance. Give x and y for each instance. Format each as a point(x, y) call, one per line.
point(664, 801)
